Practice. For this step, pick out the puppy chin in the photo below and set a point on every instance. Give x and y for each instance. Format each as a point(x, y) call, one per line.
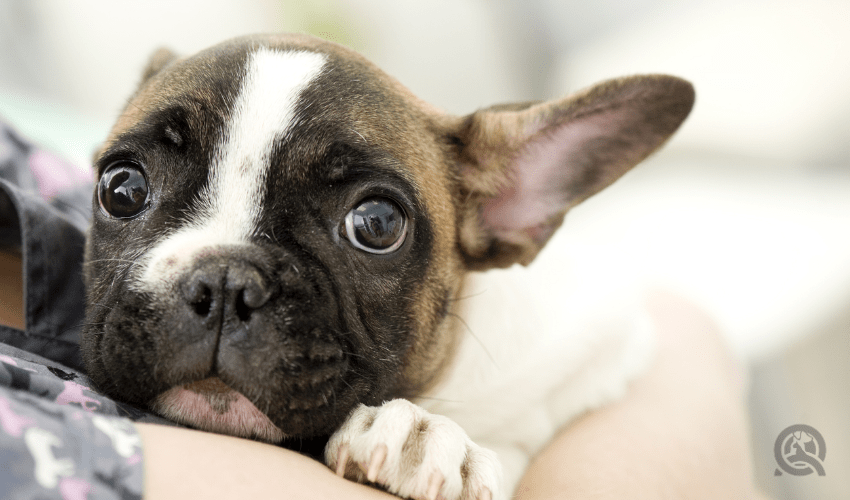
point(210, 405)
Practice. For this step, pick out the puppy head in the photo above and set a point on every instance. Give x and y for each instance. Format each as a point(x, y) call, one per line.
point(281, 230)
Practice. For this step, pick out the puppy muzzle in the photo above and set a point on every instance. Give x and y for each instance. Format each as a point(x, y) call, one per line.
point(220, 299)
point(245, 340)
point(244, 326)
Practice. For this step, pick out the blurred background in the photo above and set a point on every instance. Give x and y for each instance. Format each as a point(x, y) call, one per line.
point(746, 211)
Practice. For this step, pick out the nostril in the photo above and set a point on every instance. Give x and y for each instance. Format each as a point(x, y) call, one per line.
point(251, 294)
point(243, 308)
point(230, 287)
point(198, 293)
point(203, 304)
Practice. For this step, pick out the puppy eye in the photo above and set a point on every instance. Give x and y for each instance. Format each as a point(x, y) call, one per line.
point(123, 190)
point(376, 225)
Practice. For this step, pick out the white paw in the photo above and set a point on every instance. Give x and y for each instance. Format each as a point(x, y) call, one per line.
point(413, 454)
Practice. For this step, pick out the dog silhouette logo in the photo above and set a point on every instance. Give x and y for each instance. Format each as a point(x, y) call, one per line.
point(800, 451)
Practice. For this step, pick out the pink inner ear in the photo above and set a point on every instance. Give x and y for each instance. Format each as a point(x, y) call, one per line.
point(548, 176)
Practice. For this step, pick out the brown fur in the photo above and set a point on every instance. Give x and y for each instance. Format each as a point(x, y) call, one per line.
point(457, 165)
point(425, 165)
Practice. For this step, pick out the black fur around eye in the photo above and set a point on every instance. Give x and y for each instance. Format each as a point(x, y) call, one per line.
point(376, 225)
point(123, 190)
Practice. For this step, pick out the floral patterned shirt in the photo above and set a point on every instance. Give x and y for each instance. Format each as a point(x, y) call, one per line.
point(58, 437)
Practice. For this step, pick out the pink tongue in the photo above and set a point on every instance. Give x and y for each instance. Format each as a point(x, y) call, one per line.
point(210, 405)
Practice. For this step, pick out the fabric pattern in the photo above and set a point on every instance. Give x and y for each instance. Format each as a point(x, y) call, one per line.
point(59, 439)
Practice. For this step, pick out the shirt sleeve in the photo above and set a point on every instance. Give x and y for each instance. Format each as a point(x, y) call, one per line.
point(56, 443)
point(59, 439)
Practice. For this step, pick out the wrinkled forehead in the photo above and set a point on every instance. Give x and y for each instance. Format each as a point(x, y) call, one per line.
point(256, 92)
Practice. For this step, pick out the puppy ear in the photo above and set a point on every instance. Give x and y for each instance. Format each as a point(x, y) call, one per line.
point(523, 166)
point(158, 60)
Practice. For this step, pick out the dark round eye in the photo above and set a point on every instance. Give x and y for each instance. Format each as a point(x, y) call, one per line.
point(123, 190)
point(376, 225)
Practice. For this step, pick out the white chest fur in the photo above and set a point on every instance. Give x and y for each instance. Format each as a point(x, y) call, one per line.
point(544, 344)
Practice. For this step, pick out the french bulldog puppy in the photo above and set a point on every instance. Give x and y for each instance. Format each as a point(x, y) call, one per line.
point(287, 243)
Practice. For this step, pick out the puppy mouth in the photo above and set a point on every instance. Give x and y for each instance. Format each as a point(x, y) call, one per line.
point(268, 366)
point(211, 405)
point(299, 397)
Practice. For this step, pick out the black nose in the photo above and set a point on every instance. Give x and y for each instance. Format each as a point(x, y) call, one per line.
point(233, 287)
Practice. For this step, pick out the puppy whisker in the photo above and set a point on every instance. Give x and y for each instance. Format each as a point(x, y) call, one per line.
point(98, 304)
point(94, 324)
point(128, 261)
point(361, 136)
point(352, 389)
point(468, 329)
point(441, 400)
point(465, 297)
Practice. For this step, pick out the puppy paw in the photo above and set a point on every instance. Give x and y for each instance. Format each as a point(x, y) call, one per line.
point(413, 454)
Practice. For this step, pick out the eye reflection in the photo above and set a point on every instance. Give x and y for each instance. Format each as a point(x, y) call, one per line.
point(123, 190)
point(376, 225)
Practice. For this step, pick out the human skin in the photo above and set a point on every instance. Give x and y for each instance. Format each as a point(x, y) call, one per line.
point(680, 432)
point(11, 291)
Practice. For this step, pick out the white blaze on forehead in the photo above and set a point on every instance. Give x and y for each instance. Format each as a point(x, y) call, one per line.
point(263, 113)
point(229, 207)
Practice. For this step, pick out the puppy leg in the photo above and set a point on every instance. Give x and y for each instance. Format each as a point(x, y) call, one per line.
point(413, 454)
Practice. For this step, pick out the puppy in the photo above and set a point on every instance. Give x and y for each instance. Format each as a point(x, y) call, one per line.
point(287, 243)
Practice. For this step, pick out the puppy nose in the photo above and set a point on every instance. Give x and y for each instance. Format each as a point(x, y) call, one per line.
point(236, 288)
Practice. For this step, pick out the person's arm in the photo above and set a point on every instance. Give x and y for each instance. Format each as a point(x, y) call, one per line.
point(182, 463)
point(680, 432)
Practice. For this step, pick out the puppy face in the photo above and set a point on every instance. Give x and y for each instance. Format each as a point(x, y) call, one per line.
point(281, 230)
